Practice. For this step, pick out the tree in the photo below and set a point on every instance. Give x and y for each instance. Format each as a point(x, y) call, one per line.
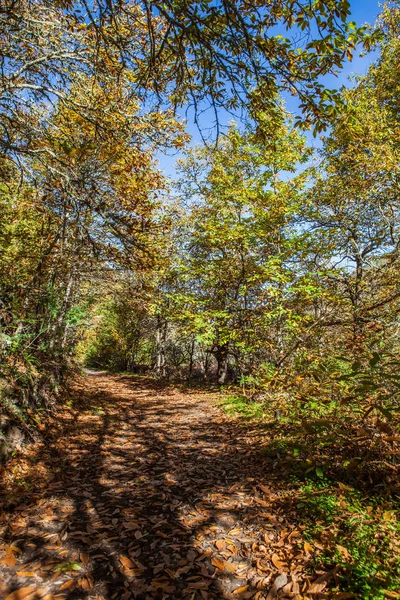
point(177, 52)
point(236, 255)
point(354, 205)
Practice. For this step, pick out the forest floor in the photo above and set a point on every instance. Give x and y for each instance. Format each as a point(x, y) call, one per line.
point(143, 490)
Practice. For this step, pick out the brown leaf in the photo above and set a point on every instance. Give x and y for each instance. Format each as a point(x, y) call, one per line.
point(220, 544)
point(4, 588)
point(198, 585)
point(319, 584)
point(22, 593)
point(308, 549)
point(68, 585)
point(343, 551)
point(133, 572)
point(165, 586)
point(230, 567)
point(126, 562)
point(191, 555)
point(277, 562)
point(84, 583)
point(217, 562)
point(26, 573)
point(241, 590)
point(9, 559)
point(279, 583)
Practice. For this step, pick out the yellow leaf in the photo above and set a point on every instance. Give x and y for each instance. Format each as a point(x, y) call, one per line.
point(277, 562)
point(308, 549)
point(22, 593)
point(343, 551)
point(240, 590)
point(390, 594)
point(230, 567)
point(217, 562)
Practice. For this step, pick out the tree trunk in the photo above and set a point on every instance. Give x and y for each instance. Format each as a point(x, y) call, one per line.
point(221, 355)
point(191, 355)
point(57, 331)
point(161, 339)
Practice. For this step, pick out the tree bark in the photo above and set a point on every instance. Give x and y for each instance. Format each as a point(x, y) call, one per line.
point(161, 339)
point(221, 354)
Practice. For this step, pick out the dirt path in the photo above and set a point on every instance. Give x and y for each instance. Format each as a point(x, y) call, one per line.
point(147, 492)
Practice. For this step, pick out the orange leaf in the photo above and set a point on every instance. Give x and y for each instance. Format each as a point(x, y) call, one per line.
point(22, 593)
point(10, 560)
point(68, 585)
point(230, 567)
point(308, 549)
point(240, 590)
point(217, 562)
point(277, 562)
point(127, 562)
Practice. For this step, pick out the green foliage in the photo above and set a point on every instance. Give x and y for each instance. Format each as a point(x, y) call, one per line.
point(360, 535)
point(236, 405)
point(375, 379)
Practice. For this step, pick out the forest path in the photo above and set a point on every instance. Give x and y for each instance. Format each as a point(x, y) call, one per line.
point(145, 491)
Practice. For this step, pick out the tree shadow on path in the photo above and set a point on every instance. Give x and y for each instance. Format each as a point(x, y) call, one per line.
point(146, 492)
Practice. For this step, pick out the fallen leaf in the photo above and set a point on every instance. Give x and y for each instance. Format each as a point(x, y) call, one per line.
point(343, 551)
point(4, 588)
point(21, 593)
point(84, 558)
point(68, 585)
point(127, 562)
point(241, 590)
point(277, 562)
point(230, 567)
point(217, 562)
point(67, 566)
point(279, 583)
point(9, 559)
point(320, 584)
point(308, 549)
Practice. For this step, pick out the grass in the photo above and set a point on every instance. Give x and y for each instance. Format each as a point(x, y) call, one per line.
point(236, 405)
point(347, 497)
point(355, 533)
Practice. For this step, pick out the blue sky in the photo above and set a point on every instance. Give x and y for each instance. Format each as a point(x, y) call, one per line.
point(362, 11)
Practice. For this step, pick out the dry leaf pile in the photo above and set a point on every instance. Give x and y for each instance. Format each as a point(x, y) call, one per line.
point(146, 492)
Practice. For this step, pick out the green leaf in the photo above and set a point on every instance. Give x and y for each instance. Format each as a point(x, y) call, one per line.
point(67, 566)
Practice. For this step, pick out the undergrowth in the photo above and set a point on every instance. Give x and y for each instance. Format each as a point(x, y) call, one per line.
point(343, 473)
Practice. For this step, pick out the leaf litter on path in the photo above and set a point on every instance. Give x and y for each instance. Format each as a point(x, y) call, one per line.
point(144, 491)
